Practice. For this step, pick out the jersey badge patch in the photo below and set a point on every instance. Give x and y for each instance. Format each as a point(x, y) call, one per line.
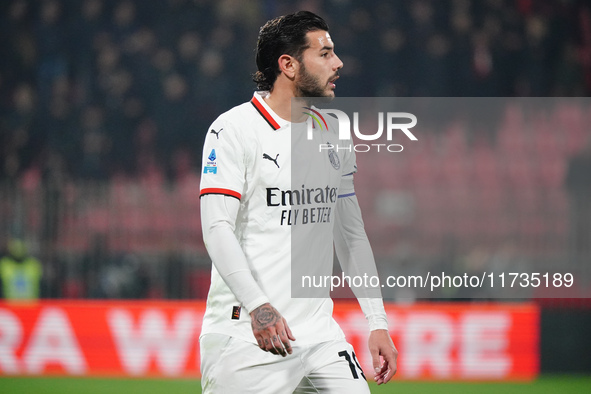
point(333, 157)
point(211, 165)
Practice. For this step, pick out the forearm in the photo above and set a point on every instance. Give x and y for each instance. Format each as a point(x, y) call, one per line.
point(356, 258)
point(218, 215)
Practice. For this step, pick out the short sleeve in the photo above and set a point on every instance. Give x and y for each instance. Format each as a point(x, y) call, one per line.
point(223, 168)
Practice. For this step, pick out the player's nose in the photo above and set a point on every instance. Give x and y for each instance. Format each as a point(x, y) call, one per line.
point(338, 64)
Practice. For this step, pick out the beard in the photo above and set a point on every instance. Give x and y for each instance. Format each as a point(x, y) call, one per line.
point(309, 86)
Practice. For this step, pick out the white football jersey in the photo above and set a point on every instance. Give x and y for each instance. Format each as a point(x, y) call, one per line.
point(288, 189)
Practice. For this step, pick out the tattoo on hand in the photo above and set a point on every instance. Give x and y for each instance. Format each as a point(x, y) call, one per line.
point(265, 316)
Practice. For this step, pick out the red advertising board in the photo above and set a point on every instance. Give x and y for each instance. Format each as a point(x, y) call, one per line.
point(151, 338)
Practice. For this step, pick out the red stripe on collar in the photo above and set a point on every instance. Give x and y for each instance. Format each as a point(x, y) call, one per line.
point(265, 114)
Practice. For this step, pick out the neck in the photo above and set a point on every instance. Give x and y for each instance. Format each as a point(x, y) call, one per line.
point(280, 101)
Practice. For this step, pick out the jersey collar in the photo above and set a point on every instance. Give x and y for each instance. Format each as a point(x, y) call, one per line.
point(266, 112)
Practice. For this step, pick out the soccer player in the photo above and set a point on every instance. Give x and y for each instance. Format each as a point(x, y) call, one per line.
point(250, 212)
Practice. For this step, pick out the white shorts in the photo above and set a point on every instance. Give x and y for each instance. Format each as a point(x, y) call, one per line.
point(230, 365)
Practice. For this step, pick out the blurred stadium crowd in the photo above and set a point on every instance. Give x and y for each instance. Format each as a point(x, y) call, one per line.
point(107, 87)
point(122, 92)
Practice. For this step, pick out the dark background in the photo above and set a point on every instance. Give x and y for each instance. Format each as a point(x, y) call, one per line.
point(104, 105)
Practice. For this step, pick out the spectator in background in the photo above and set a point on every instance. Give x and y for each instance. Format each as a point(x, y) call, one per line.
point(96, 257)
point(17, 43)
point(95, 145)
point(20, 273)
point(392, 71)
point(175, 281)
point(569, 74)
point(124, 21)
point(19, 145)
point(461, 29)
point(578, 186)
point(189, 49)
point(537, 60)
point(124, 277)
point(51, 35)
point(212, 86)
point(57, 120)
point(115, 86)
point(174, 119)
point(84, 30)
point(145, 142)
point(53, 179)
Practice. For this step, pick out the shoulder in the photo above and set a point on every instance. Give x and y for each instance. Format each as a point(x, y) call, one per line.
point(240, 115)
point(328, 119)
point(236, 122)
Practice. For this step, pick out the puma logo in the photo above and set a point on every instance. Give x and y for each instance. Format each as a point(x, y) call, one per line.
point(266, 156)
point(217, 133)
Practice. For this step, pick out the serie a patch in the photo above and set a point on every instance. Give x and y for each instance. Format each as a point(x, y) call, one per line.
point(236, 313)
point(211, 165)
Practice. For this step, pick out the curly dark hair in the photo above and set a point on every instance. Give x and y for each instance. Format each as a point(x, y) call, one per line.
point(283, 35)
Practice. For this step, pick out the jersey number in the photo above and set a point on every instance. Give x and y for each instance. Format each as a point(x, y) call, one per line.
point(352, 366)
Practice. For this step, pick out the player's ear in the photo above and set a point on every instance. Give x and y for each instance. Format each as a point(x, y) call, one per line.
point(288, 66)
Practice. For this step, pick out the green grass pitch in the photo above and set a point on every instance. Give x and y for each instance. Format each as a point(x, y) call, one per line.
point(60, 385)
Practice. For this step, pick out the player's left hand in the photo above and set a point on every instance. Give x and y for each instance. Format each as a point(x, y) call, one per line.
point(380, 344)
point(271, 331)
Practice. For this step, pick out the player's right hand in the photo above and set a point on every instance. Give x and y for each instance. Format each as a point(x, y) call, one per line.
point(271, 331)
